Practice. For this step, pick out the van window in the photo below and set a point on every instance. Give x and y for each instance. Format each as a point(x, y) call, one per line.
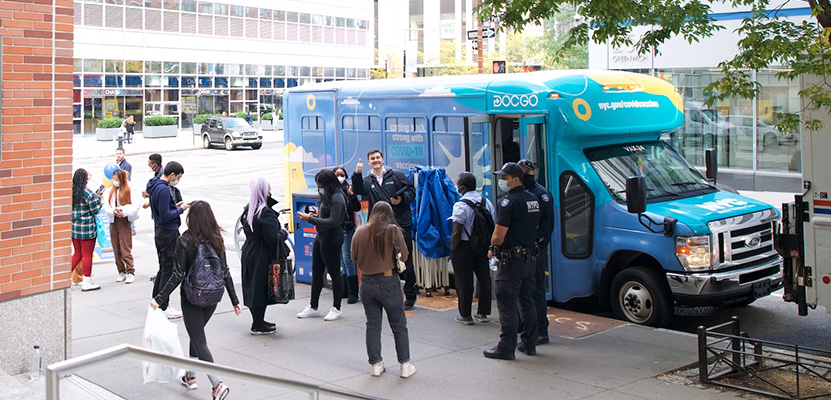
point(405, 142)
point(577, 216)
point(312, 137)
point(448, 141)
point(360, 133)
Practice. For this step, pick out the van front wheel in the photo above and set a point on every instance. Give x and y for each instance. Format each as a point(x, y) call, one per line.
point(639, 295)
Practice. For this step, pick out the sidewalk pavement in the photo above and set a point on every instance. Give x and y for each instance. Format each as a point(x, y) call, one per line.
point(86, 146)
point(589, 357)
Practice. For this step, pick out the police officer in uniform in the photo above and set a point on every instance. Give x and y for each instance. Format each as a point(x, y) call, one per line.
point(513, 243)
point(544, 230)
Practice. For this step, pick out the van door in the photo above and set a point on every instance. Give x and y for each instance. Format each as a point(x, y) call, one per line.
point(479, 152)
point(532, 147)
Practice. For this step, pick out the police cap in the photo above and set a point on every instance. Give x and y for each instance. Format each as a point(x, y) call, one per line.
point(526, 163)
point(511, 169)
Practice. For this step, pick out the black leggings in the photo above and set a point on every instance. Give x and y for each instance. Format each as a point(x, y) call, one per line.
point(257, 316)
point(326, 259)
point(195, 319)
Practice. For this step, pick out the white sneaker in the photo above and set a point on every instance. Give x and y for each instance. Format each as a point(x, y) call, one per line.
point(130, 278)
point(377, 369)
point(308, 312)
point(334, 314)
point(172, 313)
point(407, 370)
point(87, 285)
point(121, 277)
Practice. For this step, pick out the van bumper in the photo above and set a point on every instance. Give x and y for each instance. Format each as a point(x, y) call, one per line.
point(726, 288)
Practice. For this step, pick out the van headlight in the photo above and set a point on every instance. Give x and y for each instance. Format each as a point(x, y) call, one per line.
point(694, 252)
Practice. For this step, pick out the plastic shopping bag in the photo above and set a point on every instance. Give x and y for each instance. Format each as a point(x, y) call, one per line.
point(163, 336)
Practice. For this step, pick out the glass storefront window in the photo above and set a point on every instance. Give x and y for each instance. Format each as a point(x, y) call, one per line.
point(206, 7)
point(77, 65)
point(317, 71)
point(188, 68)
point(189, 5)
point(265, 82)
point(113, 81)
point(341, 22)
point(76, 111)
point(93, 66)
point(279, 70)
point(305, 18)
point(305, 71)
point(153, 67)
point(152, 95)
point(235, 69)
point(236, 95)
point(220, 9)
point(350, 73)
point(251, 95)
point(153, 80)
point(776, 151)
point(361, 73)
point(205, 68)
point(350, 22)
point(238, 11)
point(153, 3)
point(329, 72)
point(279, 83)
point(279, 15)
point(76, 95)
point(265, 13)
point(317, 19)
point(171, 95)
point(251, 69)
point(237, 81)
point(114, 66)
point(340, 72)
point(171, 67)
point(219, 69)
point(330, 20)
point(291, 82)
point(76, 80)
point(92, 80)
point(251, 12)
point(205, 82)
point(252, 83)
point(171, 4)
point(171, 81)
point(133, 67)
point(171, 109)
point(133, 80)
point(221, 81)
point(291, 70)
point(291, 16)
point(188, 81)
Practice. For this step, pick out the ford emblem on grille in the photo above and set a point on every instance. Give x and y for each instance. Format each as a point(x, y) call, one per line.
point(753, 241)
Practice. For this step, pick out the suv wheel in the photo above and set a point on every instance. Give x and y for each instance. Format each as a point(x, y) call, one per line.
point(206, 141)
point(229, 144)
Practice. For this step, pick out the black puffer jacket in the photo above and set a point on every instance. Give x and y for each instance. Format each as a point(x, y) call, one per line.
point(393, 181)
point(181, 265)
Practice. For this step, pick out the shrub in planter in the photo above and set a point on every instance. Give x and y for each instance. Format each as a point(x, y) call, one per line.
point(266, 116)
point(108, 123)
point(200, 118)
point(280, 114)
point(159, 120)
point(242, 115)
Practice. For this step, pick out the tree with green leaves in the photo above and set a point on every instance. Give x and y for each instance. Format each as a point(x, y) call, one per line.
point(767, 39)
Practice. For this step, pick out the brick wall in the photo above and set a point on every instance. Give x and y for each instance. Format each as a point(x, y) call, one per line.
point(36, 140)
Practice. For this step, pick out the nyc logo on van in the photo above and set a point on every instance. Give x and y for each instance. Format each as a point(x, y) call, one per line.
point(722, 205)
point(516, 100)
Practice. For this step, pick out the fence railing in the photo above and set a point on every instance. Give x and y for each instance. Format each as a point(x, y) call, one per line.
point(780, 370)
point(55, 371)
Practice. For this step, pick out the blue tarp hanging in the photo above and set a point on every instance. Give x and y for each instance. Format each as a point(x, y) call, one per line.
point(435, 196)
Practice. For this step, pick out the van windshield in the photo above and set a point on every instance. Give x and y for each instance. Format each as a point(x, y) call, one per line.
point(667, 175)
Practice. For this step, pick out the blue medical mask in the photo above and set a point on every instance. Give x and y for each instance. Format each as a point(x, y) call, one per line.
point(321, 192)
point(115, 183)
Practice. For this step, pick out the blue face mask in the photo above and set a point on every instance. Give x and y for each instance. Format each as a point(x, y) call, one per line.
point(115, 183)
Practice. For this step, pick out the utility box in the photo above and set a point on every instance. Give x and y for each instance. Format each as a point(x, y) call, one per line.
point(304, 200)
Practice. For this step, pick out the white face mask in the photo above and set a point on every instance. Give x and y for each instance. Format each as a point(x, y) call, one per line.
point(341, 179)
point(115, 183)
point(321, 192)
point(503, 185)
point(173, 183)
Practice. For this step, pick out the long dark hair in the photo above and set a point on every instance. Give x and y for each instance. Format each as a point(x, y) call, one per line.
point(202, 226)
point(327, 179)
point(380, 222)
point(79, 186)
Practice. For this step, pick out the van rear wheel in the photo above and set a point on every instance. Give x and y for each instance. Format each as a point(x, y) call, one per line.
point(639, 295)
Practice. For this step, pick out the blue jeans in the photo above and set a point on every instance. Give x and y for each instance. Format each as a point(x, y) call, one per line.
point(381, 293)
point(347, 267)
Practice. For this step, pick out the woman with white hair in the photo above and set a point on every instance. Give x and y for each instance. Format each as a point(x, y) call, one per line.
point(263, 236)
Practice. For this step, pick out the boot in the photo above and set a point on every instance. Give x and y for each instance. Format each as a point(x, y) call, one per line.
point(87, 285)
point(346, 287)
point(353, 289)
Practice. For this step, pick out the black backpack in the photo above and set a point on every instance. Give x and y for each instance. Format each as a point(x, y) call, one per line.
point(483, 226)
point(205, 281)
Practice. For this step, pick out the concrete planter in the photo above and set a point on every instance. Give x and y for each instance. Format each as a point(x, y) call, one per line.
point(160, 131)
point(106, 134)
point(266, 125)
point(197, 129)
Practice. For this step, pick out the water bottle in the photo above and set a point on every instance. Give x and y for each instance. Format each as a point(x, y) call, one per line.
point(494, 263)
point(37, 362)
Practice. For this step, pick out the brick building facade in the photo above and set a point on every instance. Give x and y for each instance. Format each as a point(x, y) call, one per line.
point(35, 179)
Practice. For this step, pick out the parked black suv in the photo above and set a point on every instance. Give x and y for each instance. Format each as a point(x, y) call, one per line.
point(231, 132)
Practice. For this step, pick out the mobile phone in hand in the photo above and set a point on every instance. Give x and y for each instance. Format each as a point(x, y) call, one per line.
point(101, 188)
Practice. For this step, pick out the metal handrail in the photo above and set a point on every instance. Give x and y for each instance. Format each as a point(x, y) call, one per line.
point(56, 370)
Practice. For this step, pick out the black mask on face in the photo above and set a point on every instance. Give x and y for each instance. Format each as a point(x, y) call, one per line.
point(528, 181)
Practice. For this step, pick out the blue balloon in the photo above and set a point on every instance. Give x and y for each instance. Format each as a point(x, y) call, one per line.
point(109, 169)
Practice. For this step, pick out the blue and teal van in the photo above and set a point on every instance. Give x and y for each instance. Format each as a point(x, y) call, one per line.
point(590, 132)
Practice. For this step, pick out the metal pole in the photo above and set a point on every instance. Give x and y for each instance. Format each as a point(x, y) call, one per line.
point(736, 342)
point(405, 64)
point(702, 354)
point(479, 45)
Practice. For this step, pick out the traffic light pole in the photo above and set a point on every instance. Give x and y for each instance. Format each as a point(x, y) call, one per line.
point(479, 46)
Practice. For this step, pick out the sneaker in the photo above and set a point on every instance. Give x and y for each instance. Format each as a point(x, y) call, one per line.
point(130, 278)
point(172, 313)
point(464, 320)
point(263, 330)
point(481, 318)
point(407, 370)
point(308, 312)
point(352, 299)
point(121, 277)
point(189, 383)
point(377, 369)
point(409, 305)
point(221, 391)
point(334, 314)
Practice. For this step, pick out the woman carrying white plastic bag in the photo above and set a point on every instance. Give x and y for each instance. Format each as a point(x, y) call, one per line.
point(163, 336)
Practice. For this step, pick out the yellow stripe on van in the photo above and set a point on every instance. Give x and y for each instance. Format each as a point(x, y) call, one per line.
point(647, 83)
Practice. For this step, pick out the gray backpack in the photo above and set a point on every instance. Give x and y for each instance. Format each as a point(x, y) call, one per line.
point(205, 281)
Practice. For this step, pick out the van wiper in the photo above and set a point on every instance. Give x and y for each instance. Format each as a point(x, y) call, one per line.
point(661, 194)
point(691, 183)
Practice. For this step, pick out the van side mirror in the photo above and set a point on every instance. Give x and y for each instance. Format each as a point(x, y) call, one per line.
point(636, 194)
point(711, 163)
point(636, 204)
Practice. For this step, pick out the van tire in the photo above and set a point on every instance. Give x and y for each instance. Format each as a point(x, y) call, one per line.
point(256, 146)
point(640, 295)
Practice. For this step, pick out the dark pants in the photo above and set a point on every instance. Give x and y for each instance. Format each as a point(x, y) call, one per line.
point(195, 319)
point(515, 285)
point(326, 259)
point(257, 316)
point(467, 262)
point(539, 292)
point(410, 291)
point(166, 249)
point(381, 293)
